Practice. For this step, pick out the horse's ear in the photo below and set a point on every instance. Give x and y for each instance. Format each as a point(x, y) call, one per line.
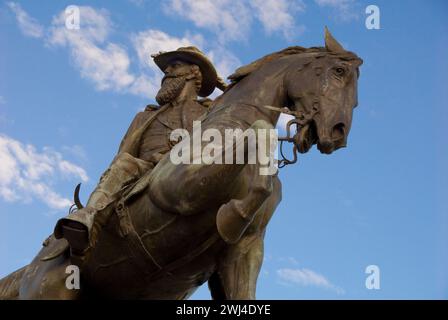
point(331, 44)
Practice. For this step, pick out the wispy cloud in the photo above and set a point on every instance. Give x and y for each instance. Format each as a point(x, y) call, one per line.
point(28, 25)
point(289, 260)
point(138, 3)
point(104, 63)
point(278, 16)
point(225, 61)
point(27, 174)
point(76, 151)
point(345, 10)
point(228, 19)
point(108, 65)
point(305, 277)
point(232, 20)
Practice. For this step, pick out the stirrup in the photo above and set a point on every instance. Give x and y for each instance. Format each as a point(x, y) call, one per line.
point(75, 228)
point(77, 236)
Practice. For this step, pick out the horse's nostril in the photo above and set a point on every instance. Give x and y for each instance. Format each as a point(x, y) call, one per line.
point(338, 131)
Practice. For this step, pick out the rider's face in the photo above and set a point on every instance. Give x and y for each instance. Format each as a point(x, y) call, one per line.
point(177, 68)
point(177, 74)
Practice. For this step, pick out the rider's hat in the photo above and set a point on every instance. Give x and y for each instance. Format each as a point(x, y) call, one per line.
point(194, 56)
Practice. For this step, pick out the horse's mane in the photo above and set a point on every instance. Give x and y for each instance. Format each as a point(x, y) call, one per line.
point(247, 69)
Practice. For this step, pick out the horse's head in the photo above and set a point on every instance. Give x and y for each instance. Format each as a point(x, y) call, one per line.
point(322, 87)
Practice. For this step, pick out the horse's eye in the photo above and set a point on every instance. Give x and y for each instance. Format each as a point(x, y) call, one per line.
point(340, 71)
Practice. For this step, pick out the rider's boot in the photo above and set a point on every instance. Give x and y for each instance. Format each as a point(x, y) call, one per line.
point(77, 227)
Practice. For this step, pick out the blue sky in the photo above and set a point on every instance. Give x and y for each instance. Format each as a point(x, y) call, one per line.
point(65, 103)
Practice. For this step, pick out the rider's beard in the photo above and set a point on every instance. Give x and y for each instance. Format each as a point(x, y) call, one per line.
point(170, 90)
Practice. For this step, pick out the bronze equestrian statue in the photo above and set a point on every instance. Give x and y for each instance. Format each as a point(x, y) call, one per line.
point(163, 229)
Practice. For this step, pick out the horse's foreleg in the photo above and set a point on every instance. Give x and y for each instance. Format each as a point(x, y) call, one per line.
point(237, 272)
point(236, 277)
point(234, 217)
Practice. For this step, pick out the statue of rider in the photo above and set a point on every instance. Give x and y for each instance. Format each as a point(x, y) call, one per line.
point(188, 74)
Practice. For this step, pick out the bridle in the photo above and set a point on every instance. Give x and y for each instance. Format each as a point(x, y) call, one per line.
point(301, 120)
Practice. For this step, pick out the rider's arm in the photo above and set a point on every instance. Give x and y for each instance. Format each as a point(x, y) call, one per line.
point(139, 119)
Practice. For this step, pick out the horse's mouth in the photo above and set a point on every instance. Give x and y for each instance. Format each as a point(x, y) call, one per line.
point(326, 147)
point(307, 137)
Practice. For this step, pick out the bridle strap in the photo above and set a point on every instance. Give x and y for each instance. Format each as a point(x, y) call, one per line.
point(301, 119)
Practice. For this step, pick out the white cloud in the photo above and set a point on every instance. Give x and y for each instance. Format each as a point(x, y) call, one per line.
point(69, 169)
point(108, 64)
point(278, 16)
point(138, 3)
point(105, 64)
point(26, 174)
point(224, 61)
point(229, 19)
point(232, 20)
point(334, 3)
point(76, 151)
point(28, 25)
point(146, 86)
point(2, 100)
point(289, 260)
point(305, 277)
point(345, 9)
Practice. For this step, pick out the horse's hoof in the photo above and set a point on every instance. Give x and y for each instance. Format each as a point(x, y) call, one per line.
point(230, 222)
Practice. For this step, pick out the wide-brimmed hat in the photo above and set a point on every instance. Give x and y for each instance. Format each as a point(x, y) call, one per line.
point(194, 56)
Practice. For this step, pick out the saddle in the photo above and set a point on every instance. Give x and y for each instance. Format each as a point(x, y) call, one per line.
point(56, 247)
point(140, 256)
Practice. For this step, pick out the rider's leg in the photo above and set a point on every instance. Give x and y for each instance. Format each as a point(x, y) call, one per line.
point(76, 227)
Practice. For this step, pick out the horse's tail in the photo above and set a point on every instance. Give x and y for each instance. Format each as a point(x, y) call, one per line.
point(10, 285)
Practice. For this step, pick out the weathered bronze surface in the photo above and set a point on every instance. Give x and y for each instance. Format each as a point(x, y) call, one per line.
point(153, 229)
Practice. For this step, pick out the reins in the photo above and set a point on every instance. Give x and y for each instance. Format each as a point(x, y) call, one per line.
point(300, 120)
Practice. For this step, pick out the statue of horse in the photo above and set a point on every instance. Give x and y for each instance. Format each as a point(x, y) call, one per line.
point(193, 223)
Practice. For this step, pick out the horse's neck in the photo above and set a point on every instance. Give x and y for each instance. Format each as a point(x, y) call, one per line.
point(264, 87)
